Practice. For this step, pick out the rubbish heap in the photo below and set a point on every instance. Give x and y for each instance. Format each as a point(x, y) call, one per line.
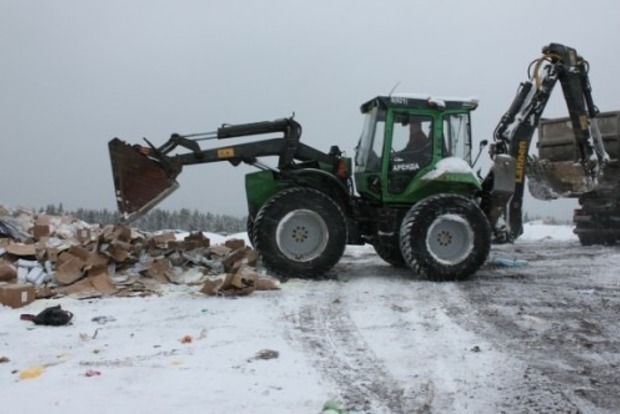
point(43, 256)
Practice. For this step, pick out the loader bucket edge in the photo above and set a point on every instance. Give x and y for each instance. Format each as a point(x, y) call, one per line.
point(140, 183)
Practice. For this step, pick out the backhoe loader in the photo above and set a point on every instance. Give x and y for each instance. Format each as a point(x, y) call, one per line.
point(412, 194)
point(416, 206)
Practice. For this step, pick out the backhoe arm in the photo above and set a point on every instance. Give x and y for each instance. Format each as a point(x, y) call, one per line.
point(514, 132)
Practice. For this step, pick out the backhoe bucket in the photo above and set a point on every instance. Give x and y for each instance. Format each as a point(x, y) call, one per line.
point(140, 182)
point(556, 172)
point(549, 180)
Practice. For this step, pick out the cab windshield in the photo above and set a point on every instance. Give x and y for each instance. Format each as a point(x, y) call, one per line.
point(457, 136)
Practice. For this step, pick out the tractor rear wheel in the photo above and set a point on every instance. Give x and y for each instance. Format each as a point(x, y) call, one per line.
point(300, 232)
point(445, 237)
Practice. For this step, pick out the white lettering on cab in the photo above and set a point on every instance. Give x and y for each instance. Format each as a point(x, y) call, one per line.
point(407, 167)
point(398, 100)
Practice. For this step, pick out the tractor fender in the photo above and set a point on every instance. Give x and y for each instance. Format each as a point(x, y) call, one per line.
point(325, 182)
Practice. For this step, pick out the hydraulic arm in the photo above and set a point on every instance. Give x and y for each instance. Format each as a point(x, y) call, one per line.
point(143, 176)
point(513, 135)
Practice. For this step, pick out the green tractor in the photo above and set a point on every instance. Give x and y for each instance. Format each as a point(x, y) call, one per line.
point(412, 193)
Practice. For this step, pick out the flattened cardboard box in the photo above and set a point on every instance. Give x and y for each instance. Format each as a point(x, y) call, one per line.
point(69, 269)
point(21, 249)
point(16, 295)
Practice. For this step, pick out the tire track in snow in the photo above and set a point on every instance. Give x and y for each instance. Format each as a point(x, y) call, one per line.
point(559, 315)
point(324, 330)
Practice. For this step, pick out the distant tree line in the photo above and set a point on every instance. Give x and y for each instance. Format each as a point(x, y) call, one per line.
point(158, 219)
point(185, 219)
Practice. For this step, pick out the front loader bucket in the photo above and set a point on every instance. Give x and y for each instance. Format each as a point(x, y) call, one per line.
point(140, 182)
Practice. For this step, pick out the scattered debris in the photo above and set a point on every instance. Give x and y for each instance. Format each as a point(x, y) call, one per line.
point(59, 255)
point(92, 373)
point(332, 407)
point(53, 316)
point(102, 320)
point(11, 227)
point(265, 354)
point(244, 281)
point(187, 339)
point(86, 337)
point(507, 262)
point(476, 348)
point(32, 372)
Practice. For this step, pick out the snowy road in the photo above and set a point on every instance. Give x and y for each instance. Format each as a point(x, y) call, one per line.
point(540, 338)
point(559, 315)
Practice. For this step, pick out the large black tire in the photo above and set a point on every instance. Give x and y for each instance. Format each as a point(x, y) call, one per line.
point(445, 237)
point(300, 232)
point(249, 225)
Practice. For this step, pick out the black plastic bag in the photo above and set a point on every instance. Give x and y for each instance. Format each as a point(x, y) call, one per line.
point(53, 316)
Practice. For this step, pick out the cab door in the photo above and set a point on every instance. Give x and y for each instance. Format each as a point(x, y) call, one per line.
point(409, 147)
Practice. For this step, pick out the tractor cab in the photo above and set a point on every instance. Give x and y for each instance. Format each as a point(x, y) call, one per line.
point(404, 140)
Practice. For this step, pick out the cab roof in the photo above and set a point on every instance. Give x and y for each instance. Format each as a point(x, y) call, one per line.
point(420, 101)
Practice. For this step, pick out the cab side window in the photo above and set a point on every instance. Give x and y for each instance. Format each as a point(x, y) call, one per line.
point(412, 149)
point(412, 146)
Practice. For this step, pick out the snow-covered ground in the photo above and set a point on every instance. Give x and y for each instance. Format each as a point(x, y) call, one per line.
point(542, 337)
point(537, 231)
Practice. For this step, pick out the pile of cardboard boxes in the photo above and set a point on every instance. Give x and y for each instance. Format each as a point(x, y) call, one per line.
point(50, 256)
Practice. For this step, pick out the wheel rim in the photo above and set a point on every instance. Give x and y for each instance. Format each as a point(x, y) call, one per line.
point(302, 235)
point(450, 239)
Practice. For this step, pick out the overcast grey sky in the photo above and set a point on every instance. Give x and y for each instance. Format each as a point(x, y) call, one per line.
point(75, 74)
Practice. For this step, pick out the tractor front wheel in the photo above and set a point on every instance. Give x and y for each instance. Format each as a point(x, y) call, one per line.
point(300, 232)
point(249, 225)
point(445, 237)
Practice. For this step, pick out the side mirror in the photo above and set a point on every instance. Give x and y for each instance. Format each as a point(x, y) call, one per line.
point(483, 144)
